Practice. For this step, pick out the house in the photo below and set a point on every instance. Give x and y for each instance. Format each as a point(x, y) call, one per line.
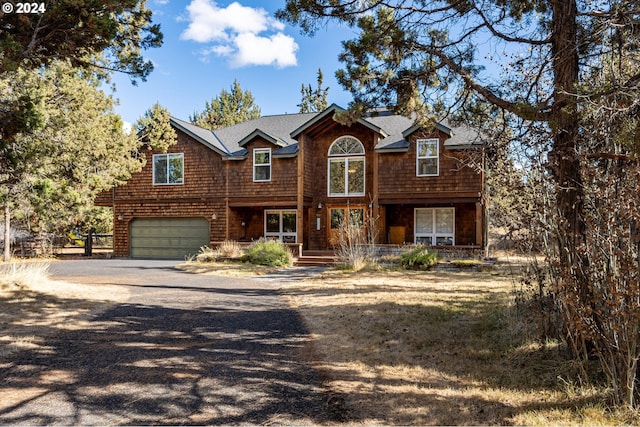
point(296, 177)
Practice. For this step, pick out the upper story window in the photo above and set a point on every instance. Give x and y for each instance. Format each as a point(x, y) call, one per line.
point(346, 170)
point(427, 157)
point(262, 164)
point(168, 169)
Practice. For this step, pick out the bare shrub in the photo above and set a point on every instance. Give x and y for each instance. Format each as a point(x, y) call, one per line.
point(594, 302)
point(356, 244)
point(603, 315)
point(229, 249)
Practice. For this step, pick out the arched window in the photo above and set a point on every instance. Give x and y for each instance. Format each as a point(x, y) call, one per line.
point(346, 167)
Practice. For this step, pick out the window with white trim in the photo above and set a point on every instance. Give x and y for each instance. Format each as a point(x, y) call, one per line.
point(281, 225)
point(262, 164)
point(435, 226)
point(427, 157)
point(346, 168)
point(168, 169)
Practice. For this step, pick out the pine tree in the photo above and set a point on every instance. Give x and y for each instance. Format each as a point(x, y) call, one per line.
point(314, 100)
point(79, 149)
point(227, 109)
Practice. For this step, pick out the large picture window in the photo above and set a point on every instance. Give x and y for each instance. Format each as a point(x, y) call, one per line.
point(281, 224)
point(346, 170)
point(427, 157)
point(435, 226)
point(262, 164)
point(168, 169)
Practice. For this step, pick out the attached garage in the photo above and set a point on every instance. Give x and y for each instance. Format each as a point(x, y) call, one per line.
point(168, 238)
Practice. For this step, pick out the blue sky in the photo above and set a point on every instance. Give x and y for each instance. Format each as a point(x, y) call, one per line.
point(210, 43)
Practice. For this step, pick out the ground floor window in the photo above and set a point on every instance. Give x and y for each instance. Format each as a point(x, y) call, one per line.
point(435, 226)
point(281, 224)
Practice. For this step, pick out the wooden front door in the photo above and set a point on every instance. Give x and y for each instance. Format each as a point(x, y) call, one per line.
point(337, 215)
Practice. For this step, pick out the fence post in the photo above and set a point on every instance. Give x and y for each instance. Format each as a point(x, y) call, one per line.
point(88, 242)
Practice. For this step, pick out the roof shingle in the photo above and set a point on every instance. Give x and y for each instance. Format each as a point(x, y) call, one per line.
point(281, 130)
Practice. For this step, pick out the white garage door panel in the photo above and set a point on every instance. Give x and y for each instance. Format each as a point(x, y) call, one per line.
point(170, 238)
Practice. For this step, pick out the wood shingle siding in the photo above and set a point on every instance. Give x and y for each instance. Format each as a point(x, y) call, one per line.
point(219, 184)
point(398, 174)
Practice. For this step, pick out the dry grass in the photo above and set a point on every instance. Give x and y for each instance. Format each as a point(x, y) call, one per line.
point(226, 250)
point(227, 268)
point(440, 348)
point(34, 307)
point(21, 275)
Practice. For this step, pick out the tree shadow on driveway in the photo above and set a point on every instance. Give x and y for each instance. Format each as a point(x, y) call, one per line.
point(162, 364)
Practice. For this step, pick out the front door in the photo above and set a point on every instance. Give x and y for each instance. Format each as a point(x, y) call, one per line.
point(338, 228)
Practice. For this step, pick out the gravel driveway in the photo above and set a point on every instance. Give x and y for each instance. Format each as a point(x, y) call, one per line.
point(185, 349)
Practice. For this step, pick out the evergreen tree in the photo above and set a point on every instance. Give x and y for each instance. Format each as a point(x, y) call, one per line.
point(78, 150)
point(227, 109)
point(78, 31)
point(314, 101)
point(154, 128)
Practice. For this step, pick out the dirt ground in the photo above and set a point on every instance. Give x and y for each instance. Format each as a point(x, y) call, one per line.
point(21, 325)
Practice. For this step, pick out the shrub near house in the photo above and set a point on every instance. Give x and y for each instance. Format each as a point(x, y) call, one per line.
point(296, 178)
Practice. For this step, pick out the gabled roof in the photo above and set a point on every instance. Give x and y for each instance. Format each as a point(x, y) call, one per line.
point(329, 112)
point(400, 128)
point(439, 126)
point(464, 137)
point(202, 135)
point(261, 134)
point(283, 131)
point(274, 129)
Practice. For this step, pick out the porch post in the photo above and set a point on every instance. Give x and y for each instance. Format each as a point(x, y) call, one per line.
point(300, 193)
point(226, 202)
point(479, 225)
point(375, 211)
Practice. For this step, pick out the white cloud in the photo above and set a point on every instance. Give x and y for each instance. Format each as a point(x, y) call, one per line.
point(279, 50)
point(245, 35)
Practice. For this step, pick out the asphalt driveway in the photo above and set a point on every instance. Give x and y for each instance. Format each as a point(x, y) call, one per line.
point(184, 349)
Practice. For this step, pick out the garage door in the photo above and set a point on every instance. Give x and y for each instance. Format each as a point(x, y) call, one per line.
point(168, 238)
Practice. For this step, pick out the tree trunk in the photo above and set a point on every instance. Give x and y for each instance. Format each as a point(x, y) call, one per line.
point(571, 231)
point(7, 232)
point(564, 156)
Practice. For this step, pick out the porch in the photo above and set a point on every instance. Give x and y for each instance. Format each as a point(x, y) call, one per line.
point(452, 228)
point(328, 257)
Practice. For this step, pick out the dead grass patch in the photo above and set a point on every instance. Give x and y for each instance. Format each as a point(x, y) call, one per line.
point(440, 348)
point(227, 268)
point(33, 307)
